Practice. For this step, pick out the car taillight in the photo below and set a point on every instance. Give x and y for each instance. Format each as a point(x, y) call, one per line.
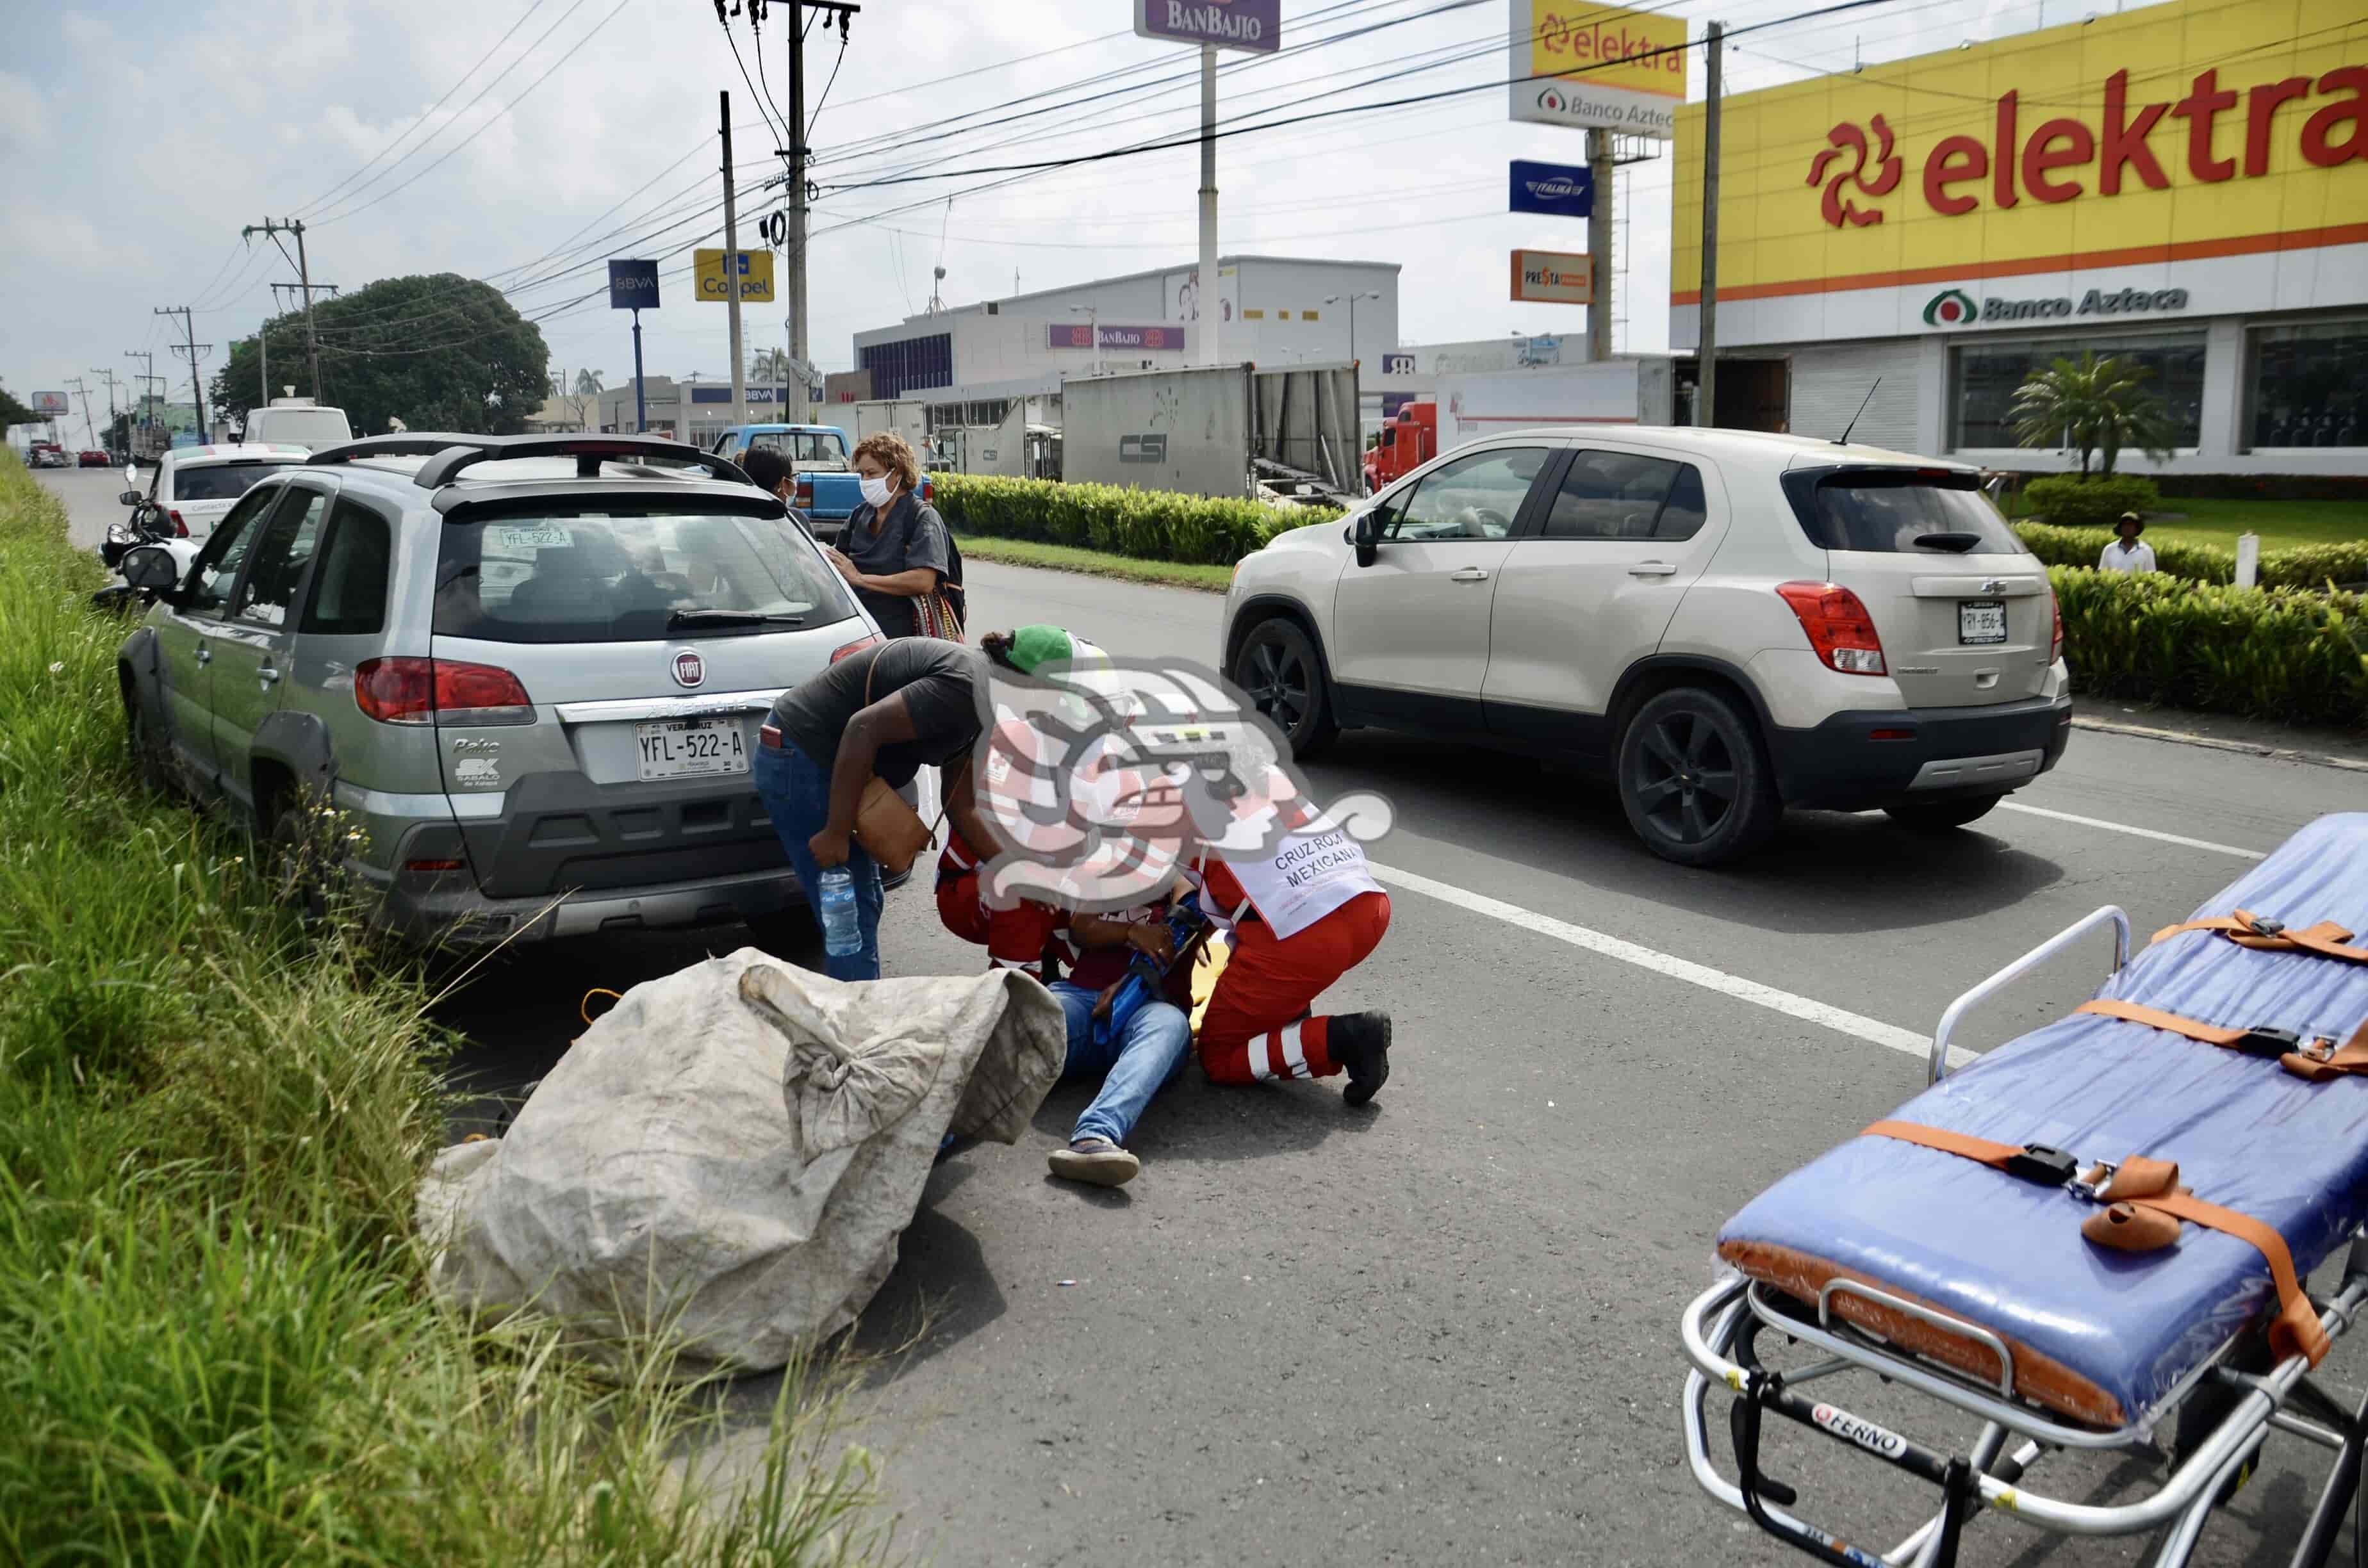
point(2056, 652)
point(804, 490)
point(180, 529)
point(422, 691)
point(1839, 627)
point(855, 647)
point(928, 488)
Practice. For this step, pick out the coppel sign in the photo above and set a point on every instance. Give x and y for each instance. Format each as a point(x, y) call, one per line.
point(756, 269)
point(633, 285)
point(1228, 24)
point(1561, 190)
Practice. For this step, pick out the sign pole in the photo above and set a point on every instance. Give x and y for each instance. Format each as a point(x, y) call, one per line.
point(1598, 244)
point(641, 393)
point(1207, 295)
point(1706, 357)
point(732, 273)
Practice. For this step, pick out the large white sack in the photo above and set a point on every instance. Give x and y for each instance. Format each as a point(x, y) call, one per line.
point(733, 1151)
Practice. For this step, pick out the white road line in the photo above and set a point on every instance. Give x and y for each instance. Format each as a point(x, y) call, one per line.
point(2134, 832)
point(1872, 1030)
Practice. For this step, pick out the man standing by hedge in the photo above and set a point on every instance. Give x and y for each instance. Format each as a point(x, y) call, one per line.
point(2125, 553)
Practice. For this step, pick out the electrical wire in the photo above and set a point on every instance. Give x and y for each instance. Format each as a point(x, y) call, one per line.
point(764, 99)
point(826, 86)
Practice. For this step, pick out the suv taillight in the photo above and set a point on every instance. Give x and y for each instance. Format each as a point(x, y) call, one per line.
point(855, 647)
point(423, 691)
point(803, 491)
point(1839, 627)
point(2056, 652)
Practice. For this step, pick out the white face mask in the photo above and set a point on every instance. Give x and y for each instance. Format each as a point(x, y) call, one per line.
point(875, 492)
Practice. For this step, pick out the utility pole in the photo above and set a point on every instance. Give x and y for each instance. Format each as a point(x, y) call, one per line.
point(731, 276)
point(304, 280)
point(1206, 297)
point(193, 349)
point(1706, 357)
point(800, 361)
point(108, 371)
point(88, 429)
point(146, 395)
point(263, 338)
point(1598, 245)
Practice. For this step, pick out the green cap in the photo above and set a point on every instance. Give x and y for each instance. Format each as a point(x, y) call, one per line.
point(1035, 647)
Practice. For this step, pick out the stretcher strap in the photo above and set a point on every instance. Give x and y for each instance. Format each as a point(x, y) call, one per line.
point(2316, 1063)
point(2296, 1328)
point(2247, 929)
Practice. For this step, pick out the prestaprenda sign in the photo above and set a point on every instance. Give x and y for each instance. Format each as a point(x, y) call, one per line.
point(633, 285)
point(1228, 24)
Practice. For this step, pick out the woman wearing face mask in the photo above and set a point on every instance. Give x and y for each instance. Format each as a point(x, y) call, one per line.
point(895, 548)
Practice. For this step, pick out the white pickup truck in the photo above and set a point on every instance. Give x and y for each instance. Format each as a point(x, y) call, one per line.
point(297, 422)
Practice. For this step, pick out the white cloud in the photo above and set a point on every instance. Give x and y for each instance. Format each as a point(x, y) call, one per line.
point(23, 121)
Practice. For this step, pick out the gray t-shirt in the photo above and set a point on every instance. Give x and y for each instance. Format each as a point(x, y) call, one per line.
point(911, 535)
point(940, 682)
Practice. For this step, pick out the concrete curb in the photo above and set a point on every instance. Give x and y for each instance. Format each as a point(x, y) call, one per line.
point(2185, 738)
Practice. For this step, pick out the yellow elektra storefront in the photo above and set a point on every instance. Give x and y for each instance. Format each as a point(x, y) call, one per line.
point(2184, 184)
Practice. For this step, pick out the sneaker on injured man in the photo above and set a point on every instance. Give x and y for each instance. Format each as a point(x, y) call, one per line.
point(1095, 1160)
point(1360, 1043)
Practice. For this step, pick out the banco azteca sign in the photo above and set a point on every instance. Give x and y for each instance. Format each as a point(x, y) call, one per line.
point(1955, 307)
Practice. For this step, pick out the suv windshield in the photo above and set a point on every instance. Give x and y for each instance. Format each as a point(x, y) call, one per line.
point(217, 482)
point(1898, 511)
point(629, 576)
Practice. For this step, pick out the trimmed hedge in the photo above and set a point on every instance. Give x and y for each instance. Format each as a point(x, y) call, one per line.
point(2274, 654)
point(2069, 501)
point(1150, 525)
point(2310, 566)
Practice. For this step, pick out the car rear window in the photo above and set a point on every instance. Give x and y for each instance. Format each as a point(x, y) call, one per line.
point(620, 576)
point(217, 482)
point(796, 447)
point(1899, 512)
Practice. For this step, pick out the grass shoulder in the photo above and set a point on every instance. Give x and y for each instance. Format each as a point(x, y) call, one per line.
point(1092, 563)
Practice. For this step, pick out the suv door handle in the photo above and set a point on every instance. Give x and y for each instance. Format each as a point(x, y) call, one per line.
point(1651, 569)
point(1469, 574)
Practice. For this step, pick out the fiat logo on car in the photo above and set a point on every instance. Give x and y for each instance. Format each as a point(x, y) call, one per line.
point(690, 669)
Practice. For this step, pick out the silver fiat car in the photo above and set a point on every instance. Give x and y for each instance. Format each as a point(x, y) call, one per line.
point(527, 672)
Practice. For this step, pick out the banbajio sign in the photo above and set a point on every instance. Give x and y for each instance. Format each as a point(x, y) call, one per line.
point(1254, 24)
point(2137, 146)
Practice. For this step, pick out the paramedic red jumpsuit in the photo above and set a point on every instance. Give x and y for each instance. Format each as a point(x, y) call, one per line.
point(1258, 1025)
point(1015, 939)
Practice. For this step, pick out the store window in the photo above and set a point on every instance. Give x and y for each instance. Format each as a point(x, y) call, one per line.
point(2303, 385)
point(1988, 375)
point(910, 362)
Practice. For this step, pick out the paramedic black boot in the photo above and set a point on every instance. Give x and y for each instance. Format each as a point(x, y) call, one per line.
point(1360, 1043)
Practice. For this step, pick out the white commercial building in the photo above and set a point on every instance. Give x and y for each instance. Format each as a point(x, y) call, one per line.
point(1273, 311)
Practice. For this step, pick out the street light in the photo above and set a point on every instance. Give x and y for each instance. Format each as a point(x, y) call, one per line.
point(1353, 299)
point(1093, 329)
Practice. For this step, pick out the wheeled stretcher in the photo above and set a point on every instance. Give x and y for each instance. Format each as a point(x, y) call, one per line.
point(2096, 1237)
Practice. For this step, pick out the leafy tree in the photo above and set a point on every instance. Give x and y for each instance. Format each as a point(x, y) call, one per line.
point(769, 367)
point(437, 352)
point(587, 383)
point(2097, 406)
point(15, 412)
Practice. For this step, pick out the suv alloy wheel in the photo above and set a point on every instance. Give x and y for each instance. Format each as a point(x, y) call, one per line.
point(1279, 669)
point(1693, 779)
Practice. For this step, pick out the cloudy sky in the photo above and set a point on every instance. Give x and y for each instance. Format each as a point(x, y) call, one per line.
point(523, 141)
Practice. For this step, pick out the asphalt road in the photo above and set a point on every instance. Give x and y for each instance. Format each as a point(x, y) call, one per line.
point(90, 497)
point(1445, 1329)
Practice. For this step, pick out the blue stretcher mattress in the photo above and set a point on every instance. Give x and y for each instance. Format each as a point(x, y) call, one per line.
point(2101, 1336)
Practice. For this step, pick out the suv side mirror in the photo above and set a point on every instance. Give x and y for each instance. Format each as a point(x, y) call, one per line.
point(151, 567)
point(1368, 536)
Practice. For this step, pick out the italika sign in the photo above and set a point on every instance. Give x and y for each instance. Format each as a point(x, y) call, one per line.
point(1228, 24)
point(2222, 133)
point(1955, 307)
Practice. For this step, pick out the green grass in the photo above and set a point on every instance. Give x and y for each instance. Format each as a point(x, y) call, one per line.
point(216, 1341)
point(2283, 525)
point(1093, 562)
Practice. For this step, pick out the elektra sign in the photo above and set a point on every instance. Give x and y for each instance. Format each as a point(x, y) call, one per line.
point(1228, 24)
point(1955, 307)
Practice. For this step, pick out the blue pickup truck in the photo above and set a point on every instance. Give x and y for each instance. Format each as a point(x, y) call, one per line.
point(816, 454)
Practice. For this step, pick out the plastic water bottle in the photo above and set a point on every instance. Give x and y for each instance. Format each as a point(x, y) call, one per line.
point(842, 932)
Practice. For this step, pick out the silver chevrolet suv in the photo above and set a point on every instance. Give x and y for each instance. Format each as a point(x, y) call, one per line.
point(530, 670)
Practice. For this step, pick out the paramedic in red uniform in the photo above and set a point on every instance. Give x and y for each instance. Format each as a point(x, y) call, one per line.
point(1302, 915)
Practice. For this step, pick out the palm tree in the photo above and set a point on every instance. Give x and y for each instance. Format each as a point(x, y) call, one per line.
point(587, 383)
point(2097, 405)
point(769, 366)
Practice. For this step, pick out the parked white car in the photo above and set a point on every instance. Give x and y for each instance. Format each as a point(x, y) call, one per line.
point(1725, 622)
point(194, 486)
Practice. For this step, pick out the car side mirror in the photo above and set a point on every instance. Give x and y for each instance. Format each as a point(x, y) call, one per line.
point(152, 568)
point(131, 498)
point(1368, 537)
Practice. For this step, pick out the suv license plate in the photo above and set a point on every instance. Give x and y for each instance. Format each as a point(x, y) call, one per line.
point(1979, 620)
point(692, 748)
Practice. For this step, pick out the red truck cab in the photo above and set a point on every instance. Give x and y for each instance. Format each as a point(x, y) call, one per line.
point(1406, 443)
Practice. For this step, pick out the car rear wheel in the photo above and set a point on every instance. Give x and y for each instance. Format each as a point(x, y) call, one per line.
point(300, 855)
point(1941, 816)
point(1693, 781)
point(1278, 667)
point(147, 748)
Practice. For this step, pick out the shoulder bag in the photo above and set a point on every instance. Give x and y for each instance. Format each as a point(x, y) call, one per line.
point(891, 832)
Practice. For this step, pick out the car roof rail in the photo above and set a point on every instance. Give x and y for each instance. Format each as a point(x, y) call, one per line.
point(589, 451)
point(409, 444)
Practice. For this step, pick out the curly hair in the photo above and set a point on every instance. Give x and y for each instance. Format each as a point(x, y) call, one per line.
point(888, 450)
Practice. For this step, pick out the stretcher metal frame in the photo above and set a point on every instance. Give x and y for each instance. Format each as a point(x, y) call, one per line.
point(1721, 1327)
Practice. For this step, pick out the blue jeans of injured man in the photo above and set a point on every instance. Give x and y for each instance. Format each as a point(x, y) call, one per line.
point(1133, 1068)
point(796, 792)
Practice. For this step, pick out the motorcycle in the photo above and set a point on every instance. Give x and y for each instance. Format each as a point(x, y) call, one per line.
point(146, 524)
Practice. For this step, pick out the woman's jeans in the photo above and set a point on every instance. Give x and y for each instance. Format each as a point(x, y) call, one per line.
point(796, 792)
